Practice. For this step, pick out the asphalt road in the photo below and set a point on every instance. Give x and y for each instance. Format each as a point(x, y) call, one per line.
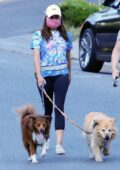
point(87, 92)
point(22, 16)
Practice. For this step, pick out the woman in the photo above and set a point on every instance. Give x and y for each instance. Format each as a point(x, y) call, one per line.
point(52, 46)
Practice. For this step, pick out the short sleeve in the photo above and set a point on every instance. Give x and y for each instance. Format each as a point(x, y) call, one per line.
point(69, 43)
point(36, 40)
point(118, 37)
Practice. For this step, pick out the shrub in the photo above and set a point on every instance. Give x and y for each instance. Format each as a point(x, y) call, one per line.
point(74, 12)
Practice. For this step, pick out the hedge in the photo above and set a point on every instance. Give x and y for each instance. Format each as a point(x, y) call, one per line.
point(74, 12)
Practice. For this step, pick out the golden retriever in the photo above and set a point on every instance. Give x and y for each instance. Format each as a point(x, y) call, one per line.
point(103, 131)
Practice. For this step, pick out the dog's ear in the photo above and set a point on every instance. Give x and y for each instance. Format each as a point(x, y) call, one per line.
point(114, 120)
point(95, 123)
point(114, 130)
point(48, 118)
point(31, 123)
point(113, 134)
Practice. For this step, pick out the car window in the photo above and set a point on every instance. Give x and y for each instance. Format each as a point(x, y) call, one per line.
point(108, 2)
point(117, 4)
point(112, 3)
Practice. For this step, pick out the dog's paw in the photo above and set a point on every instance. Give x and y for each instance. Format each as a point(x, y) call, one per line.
point(43, 153)
point(99, 159)
point(34, 159)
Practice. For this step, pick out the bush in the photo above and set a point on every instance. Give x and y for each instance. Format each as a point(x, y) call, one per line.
point(74, 12)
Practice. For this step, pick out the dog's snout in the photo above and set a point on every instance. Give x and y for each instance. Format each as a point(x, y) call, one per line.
point(107, 137)
point(41, 130)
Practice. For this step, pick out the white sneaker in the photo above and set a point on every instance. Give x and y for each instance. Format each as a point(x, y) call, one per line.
point(60, 150)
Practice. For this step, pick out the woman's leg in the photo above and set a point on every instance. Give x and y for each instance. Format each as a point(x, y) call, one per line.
point(59, 136)
point(60, 88)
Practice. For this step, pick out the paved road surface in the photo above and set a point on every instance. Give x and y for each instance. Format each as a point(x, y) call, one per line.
point(22, 16)
point(87, 92)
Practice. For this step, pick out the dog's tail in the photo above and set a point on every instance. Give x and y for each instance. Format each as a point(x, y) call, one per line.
point(25, 111)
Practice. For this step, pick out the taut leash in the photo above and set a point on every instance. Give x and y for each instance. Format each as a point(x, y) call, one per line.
point(65, 116)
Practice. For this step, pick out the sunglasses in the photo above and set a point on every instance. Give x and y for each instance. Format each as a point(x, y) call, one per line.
point(55, 17)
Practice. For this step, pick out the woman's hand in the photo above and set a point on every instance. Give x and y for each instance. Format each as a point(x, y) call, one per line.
point(40, 80)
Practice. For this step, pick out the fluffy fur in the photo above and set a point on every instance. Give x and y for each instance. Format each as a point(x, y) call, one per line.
point(35, 131)
point(103, 132)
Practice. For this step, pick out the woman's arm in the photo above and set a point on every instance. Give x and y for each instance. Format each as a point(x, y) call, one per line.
point(37, 62)
point(40, 79)
point(115, 59)
point(69, 63)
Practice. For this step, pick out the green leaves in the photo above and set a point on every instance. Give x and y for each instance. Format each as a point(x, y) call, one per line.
point(75, 12)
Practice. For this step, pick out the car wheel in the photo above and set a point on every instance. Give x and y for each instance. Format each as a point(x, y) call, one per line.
point(87, 55)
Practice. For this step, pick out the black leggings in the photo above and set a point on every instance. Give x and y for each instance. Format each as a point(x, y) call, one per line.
point(59, 86)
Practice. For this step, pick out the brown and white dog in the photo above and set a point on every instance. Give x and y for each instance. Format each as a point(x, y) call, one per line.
point(103, 131)
point(35, 131)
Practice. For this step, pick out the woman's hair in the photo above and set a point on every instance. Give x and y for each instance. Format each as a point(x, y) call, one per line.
point(46, 33)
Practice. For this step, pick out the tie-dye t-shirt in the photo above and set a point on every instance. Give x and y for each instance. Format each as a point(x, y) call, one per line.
point(52, 53)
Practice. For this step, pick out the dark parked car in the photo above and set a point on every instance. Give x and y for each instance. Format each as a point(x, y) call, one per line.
point(98, 36)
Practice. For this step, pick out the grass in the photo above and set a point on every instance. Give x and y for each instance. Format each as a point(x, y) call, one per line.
point(75, 31)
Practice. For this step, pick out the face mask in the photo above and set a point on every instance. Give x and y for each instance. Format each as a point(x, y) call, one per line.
point(53, 23)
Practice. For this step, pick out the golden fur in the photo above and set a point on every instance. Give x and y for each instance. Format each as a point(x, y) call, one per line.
point(103, 132)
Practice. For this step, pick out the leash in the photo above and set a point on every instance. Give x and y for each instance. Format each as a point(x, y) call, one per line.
point(42, 92)
point(42, 96)
point(65, 116)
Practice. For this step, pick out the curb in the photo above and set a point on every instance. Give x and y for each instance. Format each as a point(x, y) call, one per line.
point(21, 44)
point(18, 44)
point(15, 49)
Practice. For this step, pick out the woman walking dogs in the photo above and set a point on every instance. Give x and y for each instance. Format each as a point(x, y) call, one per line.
point(52, 46)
